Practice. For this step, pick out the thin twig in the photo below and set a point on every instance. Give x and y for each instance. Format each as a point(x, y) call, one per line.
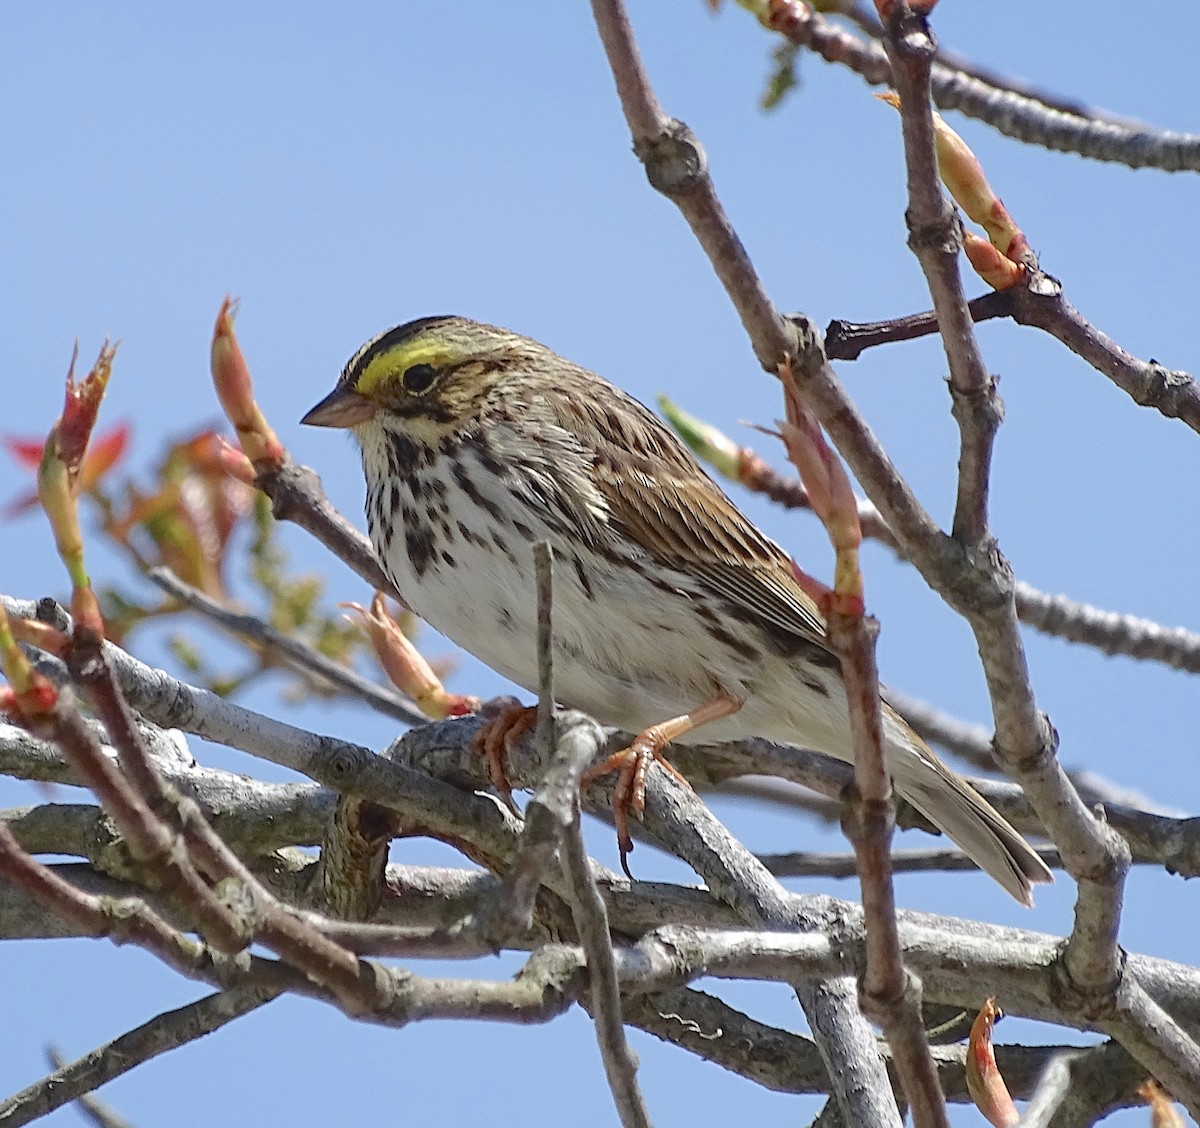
point(867, 20)
point(167, 1031)
point(273, 924)
point(91, 1108)
point(256, 630)
point(1174, 394)
point(152, 845)
point(125, 920)
point(935, 238)
point(842, 865)
point(889, 992)
point(1042, 304)
point(1014, 114)
point(1112, 632)
point(553, 807)
point(297, 495)
point(848, 340)
point(591, 923)
point(1059, 616)
point(547, 817)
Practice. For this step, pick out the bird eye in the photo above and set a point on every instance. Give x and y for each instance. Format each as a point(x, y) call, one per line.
point(419, 377)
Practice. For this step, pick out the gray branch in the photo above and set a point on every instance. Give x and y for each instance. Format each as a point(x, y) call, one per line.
point(164, 1032)
point(255, 630)
point(1015, 113)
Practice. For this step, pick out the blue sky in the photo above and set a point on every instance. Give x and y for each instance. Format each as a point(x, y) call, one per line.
point(345, 168)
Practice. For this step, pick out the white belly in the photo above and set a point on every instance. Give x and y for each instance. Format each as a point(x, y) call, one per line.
point(623, 651)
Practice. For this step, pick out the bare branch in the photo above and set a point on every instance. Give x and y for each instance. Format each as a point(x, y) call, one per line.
point(868, 21)
point(255, 630)
point(1174, 394)
point(851, 1052)
point(1014, 114)
point(975, 583)
point(591, 922)
point(195, 865)
point(152, 845)
point(297, 495)
point(1112, 632)
point(1156, 1039)
point(164, 1032)
point(819, 864)
point(1042, 304)
point(1079, 1086)
point(710, 1028)
point(91, 1107)
point(973, 578)
point(848, 340)
point(272, 923)
point(126, 920)
point(566, 750)
point(951, 955)
point(351, 874)
point(676, 166)
point(935, 237)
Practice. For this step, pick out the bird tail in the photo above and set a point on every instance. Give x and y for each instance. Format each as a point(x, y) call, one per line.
point(959, 811)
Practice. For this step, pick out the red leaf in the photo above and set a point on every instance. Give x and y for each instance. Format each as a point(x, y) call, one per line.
point(103, 455)
point(27, 452)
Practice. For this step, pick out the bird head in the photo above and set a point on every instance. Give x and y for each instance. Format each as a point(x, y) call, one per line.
point(436, 370)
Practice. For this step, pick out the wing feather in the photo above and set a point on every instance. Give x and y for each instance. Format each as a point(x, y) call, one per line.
point(659, 496)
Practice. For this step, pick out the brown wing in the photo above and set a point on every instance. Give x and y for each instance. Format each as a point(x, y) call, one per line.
point(657, 494)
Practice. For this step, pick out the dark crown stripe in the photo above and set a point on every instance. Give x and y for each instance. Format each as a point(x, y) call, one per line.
point(386, 340)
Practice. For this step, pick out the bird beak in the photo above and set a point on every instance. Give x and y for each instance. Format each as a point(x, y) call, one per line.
point(343, 407)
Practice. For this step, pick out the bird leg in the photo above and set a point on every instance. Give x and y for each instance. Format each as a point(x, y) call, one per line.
point(506, 721)
point(633, 762)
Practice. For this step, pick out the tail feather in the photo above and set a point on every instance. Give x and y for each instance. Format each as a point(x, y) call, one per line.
point(958, 810)
point(984, 835)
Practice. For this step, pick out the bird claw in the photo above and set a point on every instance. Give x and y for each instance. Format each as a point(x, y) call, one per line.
point(629, 792)
point(506, 720)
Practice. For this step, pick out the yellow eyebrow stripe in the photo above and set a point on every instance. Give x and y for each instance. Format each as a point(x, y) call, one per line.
point(391, 362)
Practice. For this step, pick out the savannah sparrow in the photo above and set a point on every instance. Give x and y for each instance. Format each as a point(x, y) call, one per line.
point(477, 443)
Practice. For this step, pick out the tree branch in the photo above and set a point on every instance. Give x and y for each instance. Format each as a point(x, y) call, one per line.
point(1012, 113)
point(165, 1032)
point(255, 630)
